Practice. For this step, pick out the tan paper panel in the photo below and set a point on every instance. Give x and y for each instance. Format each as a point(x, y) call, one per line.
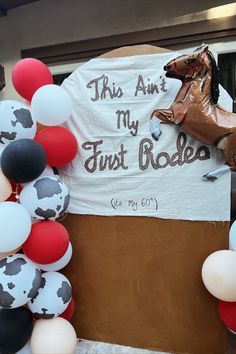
point(137, 281)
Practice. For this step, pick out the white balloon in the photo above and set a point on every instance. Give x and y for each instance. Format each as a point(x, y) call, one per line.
point(16, 122)
point(61, 263)
point(232, 237)
point(20, 280)
point(45, 198)
point(54, 336)
point(219, 275)
point(51, 105)
point(53, 296)
point(15, 226)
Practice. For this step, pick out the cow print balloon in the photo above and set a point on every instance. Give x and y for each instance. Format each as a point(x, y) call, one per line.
point(53, 296)
point(16, 122)
point(20, 280)
point(45, 198)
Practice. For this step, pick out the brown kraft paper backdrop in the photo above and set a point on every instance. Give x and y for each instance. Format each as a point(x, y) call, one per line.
point(137, 280)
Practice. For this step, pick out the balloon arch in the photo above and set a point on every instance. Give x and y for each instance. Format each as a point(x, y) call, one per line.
point(35, 298)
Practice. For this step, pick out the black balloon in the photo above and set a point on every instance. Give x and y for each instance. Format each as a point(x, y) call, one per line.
point(23, 160)
point(16, 326)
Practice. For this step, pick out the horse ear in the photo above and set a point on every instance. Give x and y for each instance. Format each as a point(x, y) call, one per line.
point(204, 48)
point(201, 51)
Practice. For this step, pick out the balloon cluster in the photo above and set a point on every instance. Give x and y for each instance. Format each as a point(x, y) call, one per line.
point(219, 277)
point(35, 298)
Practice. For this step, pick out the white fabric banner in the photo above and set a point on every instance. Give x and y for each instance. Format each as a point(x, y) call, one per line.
point(120, 168)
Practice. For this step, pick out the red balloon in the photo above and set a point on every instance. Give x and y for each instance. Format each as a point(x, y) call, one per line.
point(16, 189)
point(227, 313)
point(28, 75)
point(69, 311)
point(47, 242)
point(59, 144)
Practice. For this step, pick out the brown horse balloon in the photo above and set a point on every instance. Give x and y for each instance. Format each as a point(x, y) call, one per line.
point(195, 106)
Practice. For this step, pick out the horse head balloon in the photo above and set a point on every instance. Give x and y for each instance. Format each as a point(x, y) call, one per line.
point(195, 107)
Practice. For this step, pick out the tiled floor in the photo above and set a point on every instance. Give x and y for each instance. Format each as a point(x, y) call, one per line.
point(89, 347)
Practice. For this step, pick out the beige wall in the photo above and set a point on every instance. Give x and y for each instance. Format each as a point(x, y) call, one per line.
point(48, 22)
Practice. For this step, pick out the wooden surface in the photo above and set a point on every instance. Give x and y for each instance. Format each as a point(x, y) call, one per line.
point(137, 281)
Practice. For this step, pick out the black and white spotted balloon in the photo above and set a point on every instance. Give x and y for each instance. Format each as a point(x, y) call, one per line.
point(16, 122)
point(20, 280)
point(53, 296)
point(45, 198)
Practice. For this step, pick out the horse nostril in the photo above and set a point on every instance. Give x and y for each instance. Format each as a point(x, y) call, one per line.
point(167, 67)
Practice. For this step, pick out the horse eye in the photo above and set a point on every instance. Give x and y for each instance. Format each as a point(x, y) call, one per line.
point(190, 61)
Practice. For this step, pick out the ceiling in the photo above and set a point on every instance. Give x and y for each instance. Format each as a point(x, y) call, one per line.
point(6, 5)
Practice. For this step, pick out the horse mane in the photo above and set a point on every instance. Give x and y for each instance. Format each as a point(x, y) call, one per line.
point(215, 92)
